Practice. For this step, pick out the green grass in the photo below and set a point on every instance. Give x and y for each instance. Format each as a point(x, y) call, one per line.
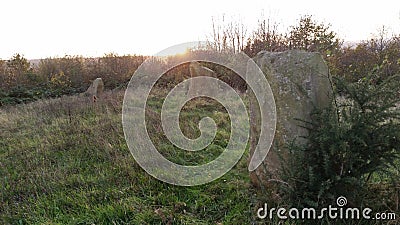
point(65, 161)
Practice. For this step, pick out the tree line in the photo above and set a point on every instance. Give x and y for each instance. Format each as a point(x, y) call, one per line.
point(21, 81)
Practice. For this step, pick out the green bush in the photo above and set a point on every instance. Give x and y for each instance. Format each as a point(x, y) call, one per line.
point(352, 147)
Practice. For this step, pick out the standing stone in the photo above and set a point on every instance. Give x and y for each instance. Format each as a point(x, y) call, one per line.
point(196, 69)
point(95, 89)
point(299, 81)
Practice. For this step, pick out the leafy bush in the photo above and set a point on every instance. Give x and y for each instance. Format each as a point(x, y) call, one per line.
point(349, 144)
point(379, 55)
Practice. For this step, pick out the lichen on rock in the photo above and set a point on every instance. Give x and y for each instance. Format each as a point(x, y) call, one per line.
point(300, 82)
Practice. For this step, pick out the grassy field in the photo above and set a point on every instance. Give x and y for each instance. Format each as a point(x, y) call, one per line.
point(65, 161)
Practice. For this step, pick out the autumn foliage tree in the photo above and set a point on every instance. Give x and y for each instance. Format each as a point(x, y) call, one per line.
point(17, 70)
point(266, 37)
point(379, 55)
point(312, 36)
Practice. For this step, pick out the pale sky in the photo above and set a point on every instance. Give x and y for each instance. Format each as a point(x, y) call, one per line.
point(50, 28)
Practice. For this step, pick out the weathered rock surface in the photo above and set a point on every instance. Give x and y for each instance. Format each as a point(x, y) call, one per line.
point(95, 89)
point(299, 81)
point(196, 69)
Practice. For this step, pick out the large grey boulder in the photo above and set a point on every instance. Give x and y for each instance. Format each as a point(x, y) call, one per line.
point(299, 81)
